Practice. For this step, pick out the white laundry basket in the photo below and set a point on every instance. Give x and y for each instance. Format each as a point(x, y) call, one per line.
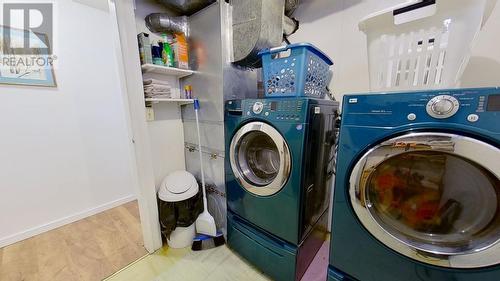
point(423, 45)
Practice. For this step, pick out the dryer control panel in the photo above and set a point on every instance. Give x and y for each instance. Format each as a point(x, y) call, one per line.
point(473, 107)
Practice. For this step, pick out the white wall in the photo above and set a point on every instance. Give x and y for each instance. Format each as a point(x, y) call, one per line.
point(333, 27)
point(66, 152)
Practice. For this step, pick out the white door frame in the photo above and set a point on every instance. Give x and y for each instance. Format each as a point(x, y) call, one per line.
point(123, 18)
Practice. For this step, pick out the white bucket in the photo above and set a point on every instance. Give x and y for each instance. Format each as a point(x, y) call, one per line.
point(423, 45)
point(182, 237)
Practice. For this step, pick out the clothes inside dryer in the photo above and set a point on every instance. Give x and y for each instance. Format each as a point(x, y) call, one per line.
point(435, 200)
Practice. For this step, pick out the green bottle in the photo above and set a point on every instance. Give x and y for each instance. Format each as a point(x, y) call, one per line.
point(167, 53)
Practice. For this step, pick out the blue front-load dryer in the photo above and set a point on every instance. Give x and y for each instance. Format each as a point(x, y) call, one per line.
point(417, 193)
point(279, 165)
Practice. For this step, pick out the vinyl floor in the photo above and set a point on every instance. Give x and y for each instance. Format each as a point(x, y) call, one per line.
point(87, 250)
point(218, 264)
point(111, 242)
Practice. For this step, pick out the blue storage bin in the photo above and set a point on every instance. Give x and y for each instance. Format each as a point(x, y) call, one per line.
point(295, 70)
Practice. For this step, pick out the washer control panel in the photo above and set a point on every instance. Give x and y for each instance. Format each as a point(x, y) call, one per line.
point(279, 110)
point(442, 107)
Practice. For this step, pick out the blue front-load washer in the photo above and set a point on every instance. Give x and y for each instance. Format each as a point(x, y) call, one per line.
point(417, 193)
point(279, 155)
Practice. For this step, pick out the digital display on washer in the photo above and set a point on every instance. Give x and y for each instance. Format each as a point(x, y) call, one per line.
point(274, 105)
point(493, 103)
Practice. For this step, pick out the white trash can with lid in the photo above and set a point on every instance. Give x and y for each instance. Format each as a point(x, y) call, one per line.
point(178, 197)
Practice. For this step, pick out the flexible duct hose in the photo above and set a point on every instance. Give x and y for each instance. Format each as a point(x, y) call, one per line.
point(163, 23)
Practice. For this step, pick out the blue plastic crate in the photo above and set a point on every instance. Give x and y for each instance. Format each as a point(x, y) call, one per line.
point(295, 70)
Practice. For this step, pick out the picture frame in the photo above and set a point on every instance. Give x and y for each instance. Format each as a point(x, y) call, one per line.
point(35, 69)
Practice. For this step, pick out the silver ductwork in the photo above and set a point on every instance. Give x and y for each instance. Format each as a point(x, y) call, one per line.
point(259, 24)
point(289, 26)
point(186, 7)
point(291, 6)
point(163, 23)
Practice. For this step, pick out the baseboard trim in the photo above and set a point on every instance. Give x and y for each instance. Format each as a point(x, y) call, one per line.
point(63, 221)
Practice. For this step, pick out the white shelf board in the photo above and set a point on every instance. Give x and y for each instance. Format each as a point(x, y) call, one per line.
point(165, 70)
point(179, 101)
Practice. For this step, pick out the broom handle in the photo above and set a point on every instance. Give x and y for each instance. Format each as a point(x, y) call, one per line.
point(196, 108)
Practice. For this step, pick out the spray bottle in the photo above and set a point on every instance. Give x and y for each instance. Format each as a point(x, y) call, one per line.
point(167, 53)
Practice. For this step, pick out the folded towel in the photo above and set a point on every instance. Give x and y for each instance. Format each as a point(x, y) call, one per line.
point(155, 81)
point(156, 95)
point(156, 88)
point(156, 92)
point(165, 96)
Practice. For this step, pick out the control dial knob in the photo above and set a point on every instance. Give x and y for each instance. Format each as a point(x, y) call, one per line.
point(258, 107)
point(442, 107)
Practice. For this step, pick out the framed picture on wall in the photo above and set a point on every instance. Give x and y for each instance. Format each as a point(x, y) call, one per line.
point(33, 66)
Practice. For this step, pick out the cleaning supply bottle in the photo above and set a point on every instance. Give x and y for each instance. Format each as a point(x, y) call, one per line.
point(167, 54)
point(188, 92)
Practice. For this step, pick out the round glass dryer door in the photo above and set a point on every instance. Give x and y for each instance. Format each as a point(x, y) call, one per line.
point(433, 197)
point(260, 159)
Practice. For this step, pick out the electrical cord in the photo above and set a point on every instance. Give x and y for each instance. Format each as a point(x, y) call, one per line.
point(338, 121)
point(330, 94)
point(332, 161)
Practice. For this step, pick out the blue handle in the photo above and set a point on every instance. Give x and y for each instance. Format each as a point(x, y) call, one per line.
point(279, 49)
point(196, 104)
point(308, 46)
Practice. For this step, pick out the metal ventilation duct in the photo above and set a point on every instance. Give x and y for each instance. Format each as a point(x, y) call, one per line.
point(290, 26)
point(163, 23)
point(186, 7)
point(291, 6)
point(258, 24)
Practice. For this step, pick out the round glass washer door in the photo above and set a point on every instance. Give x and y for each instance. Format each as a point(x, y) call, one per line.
point(260, 159)
point(432, 197)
